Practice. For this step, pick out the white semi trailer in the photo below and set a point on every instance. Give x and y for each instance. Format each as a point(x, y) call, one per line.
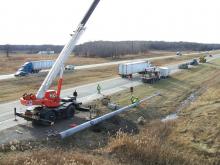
point(164, 72)
point(127, 69)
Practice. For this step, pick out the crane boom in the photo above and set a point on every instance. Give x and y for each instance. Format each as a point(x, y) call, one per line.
point(48, 106)
point(68, 48)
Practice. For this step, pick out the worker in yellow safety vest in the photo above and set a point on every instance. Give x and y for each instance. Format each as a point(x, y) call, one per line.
point(134, 99)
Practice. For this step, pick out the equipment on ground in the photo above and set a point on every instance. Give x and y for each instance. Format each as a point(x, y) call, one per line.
point(183, 66)
point(127, 69)
point(178, 53)
point(194, 62)
point(34, 67)
point(202, 59)
point(46, 105)
point(151, 75)
point(154, 74)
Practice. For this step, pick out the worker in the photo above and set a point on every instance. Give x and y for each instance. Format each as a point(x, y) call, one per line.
point(131, 89)
point(75, 94)
point(99, 89)
point(134, 99)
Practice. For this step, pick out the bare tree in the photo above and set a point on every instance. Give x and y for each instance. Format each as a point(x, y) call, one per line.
point(7, 50)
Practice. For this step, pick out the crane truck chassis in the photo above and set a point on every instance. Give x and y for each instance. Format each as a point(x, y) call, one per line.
point(47, 116)
point(45, 107)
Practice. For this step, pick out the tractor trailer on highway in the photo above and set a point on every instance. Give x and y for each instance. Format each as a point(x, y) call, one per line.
point(127, 69)
point(34, 67)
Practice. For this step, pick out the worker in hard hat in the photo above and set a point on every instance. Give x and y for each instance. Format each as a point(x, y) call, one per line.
point(134, 99)
point(131, 89)
point(99, 89)
point(75, 94)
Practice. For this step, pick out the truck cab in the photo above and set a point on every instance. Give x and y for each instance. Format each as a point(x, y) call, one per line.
point(20, 72)
point(24, 69)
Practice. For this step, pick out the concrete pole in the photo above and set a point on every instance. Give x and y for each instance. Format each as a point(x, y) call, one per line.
point(93, 122)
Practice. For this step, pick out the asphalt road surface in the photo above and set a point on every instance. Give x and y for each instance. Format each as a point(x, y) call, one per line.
point(86, 93)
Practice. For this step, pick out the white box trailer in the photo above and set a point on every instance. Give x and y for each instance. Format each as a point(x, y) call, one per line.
point(127, 69)
point(41, 65)
point(164, 72)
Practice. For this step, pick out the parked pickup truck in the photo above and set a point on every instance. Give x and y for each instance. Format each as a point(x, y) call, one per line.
point(33, 67)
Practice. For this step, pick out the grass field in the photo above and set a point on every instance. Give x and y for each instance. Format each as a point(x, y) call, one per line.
point(14, 61)
point(12, 89)
point(192, 139)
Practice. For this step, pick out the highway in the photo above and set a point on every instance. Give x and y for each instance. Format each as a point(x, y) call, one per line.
point(10, 76)
point(86, 93)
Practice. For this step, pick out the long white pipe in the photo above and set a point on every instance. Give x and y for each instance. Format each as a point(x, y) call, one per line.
point(93, 122)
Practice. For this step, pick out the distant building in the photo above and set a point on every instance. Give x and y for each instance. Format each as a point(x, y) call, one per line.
point(46, 52)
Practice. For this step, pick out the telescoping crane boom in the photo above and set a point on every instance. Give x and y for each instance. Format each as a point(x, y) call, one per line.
point(50, 105)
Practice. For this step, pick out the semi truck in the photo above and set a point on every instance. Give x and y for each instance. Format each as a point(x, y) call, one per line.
point(154, 74)
point(34, 67)
point(128, 69)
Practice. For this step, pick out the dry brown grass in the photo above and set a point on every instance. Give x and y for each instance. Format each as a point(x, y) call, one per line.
point(54, 157)
point(195, 137)
point(199, 128)
point(147, 55)
point(186, 141)
point(150, 147)
point(173, 60)
point(13, 89)
point(14, 61)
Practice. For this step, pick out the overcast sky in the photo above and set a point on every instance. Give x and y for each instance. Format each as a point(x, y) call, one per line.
point(51, 21)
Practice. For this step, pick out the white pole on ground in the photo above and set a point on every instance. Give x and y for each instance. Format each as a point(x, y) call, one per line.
point(93, 122)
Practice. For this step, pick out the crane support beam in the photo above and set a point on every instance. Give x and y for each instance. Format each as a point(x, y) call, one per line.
point(93, 122)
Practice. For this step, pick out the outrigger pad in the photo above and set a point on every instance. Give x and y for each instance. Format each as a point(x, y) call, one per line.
point(68, 99)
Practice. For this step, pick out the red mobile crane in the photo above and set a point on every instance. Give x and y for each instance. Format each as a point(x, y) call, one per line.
point(47, 106)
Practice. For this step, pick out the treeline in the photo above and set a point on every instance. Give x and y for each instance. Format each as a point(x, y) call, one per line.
point(114, 49)
point(108, 48)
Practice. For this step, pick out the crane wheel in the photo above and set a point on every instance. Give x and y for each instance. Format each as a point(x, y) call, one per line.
point(70, 111)
point(48, 117)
